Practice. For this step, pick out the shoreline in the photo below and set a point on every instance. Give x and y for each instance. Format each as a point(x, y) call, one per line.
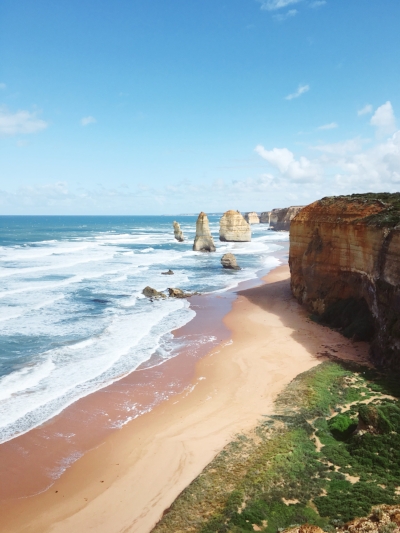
point(148, 462)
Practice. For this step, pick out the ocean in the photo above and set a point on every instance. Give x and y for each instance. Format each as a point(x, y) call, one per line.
point(72, 315)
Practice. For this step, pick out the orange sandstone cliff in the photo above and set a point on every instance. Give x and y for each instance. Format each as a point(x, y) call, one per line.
point(345, 268)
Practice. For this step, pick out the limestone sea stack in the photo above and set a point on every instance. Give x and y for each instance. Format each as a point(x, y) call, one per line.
point(178, 232)
point(252, 218)
point(234, 228)
point(345, 268)
point(280, 219)
point(203, 242)
point(229, 261)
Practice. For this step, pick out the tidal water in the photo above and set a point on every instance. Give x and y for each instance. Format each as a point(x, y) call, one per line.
point(72, 316)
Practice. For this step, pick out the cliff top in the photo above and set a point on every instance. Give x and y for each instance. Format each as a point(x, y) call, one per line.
point(375, 209)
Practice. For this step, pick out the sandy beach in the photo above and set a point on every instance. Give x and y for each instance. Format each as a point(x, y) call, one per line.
point(125, 484)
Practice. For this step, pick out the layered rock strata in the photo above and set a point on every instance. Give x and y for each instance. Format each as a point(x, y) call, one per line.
point(178, 232)
point(345, 267)
point(203, 242)
point(252, 218)
point(280, 219)
point(229, 261)
point(264, 217)
point(234, 228)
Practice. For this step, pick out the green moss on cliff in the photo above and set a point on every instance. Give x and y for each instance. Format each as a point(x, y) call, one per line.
point(275, 476)
point(390, 202)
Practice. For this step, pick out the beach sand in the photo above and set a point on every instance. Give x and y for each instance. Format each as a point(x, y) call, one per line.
point(125, 484)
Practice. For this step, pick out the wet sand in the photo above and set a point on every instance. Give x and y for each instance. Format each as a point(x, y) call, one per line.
point(125, 483)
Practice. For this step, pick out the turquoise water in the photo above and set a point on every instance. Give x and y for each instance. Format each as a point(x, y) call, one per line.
point(72, 315)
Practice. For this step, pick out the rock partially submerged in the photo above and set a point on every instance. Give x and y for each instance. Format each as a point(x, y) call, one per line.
point(265, 217)
point(234, 228)
point(168, 273)
point(252, 218)
point(178, 232)
point(149, 292)
point(179, 293)
point(203, 241)
point(229, 261)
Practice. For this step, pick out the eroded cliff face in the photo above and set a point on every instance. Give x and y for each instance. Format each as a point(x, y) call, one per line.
point(252, 218)
point(280, 219)
point(234, 228)
point(345, 267)
point(203, 241)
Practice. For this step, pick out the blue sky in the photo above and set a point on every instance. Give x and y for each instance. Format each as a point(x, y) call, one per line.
point(156, 106)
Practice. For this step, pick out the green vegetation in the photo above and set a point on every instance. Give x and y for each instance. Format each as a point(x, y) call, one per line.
point(388, 217)
point(275, 476)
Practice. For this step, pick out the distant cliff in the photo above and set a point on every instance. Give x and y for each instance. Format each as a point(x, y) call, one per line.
point(280, 219)
point(345, 267)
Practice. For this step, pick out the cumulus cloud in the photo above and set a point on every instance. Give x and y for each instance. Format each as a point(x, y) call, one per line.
point(301, 90)
point(366, 110)
point(85, 121)
point(21, 122)
point(301, 170)
point(384, 120)
point(330, 126)
point(273, 5)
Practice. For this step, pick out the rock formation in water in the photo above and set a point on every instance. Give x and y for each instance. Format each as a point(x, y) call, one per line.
point(149, 292)
point(280, 219)
point(345, 267)
point(234, 228)
point(264, 217)
point(179, 293)
point(203, 241)
point(178, 232)
point(168, 273)
point(229, 261)
point(252, 218)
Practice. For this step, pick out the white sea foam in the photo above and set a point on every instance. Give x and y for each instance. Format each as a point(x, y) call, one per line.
point(73, 316)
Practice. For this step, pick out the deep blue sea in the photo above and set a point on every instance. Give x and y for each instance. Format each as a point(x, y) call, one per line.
point(72, 315)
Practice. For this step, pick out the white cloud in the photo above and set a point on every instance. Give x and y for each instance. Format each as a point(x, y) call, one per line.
point(272, 5)
point(302, 170)
point(290, 13)
point(21, 122)
point(342, 148)
point(3, 86)
point(384, 120)
point(85, 121)
point(301, 90)
point(318, 3)
point(330, 126)
point(366, 110)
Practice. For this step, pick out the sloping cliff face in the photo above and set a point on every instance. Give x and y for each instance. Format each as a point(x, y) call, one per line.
point(345, 267)
point(234, 228)
point(280, 219)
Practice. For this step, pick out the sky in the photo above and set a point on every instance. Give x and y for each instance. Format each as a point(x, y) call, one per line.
point(124, 107)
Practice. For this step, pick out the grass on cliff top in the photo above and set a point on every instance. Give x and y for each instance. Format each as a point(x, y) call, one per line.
point(275, 477)
point(388, 217)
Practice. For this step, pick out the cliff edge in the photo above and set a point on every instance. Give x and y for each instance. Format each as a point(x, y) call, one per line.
point(345, 268)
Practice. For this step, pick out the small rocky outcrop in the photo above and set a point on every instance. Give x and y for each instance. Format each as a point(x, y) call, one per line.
point(264, 217)
point(252, 218)
point(178, 232)
point(280, 219)
point(229, 261)
point(179, 293)
point(203, 241)
point(168, 273)
point(234, 228)
point(149, 292)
